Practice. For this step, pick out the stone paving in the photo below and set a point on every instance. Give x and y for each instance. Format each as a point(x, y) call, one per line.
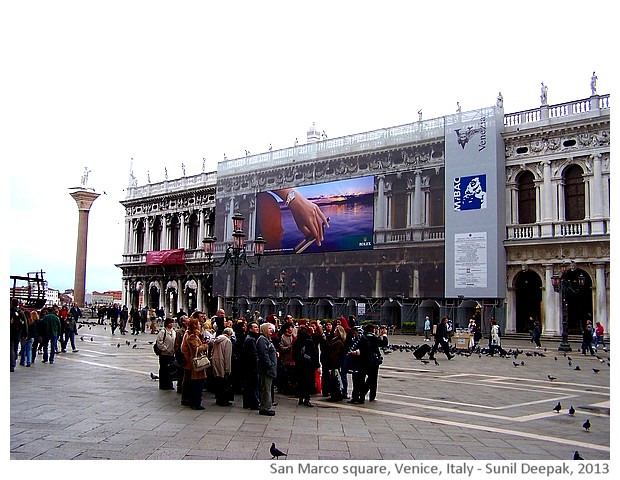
point(100, 403)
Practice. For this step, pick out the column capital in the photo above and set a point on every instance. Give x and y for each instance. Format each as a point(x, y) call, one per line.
point(84, 198)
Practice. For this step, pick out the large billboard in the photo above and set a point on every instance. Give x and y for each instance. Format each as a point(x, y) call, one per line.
point(475, 205)
point(326, 217)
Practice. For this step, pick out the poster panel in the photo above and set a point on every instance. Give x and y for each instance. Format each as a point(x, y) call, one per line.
point(327, 217)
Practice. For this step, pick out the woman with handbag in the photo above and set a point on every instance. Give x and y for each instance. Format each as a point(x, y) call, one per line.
point(192, 347)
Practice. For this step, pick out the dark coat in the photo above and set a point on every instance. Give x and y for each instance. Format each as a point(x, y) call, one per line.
point(305, 354)
point(267, 358)
point(249, 356)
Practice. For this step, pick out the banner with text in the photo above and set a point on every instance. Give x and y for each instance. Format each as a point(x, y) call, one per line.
point(475, 213)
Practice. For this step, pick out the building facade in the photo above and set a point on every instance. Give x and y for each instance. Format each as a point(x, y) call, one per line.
point(415, 221)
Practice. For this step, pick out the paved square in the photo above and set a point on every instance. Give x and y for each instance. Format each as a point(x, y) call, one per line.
point(100, 403)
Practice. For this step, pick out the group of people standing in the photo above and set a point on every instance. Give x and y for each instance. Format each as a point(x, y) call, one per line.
point(48, 331)
point(256, 359)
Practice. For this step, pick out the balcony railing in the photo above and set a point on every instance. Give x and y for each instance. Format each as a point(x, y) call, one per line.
point(558, 229)
point(562, 110)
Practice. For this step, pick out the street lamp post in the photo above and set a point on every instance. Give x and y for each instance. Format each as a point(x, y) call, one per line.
point(562, 285)
point(235, 254)
point(282, 287)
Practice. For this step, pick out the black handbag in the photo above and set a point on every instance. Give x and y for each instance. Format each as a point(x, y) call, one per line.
point(376, 358)
point(156, 349)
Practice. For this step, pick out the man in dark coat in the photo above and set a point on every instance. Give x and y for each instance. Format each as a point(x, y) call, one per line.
point(249, 363)
point(374, 359)
point(19, 329)
point(441, 338)
point(51, 328)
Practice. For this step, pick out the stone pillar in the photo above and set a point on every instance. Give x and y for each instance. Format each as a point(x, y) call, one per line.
point(597, 215)
point(417, 199)
point(601, 297)
point(552, 321)
point(84, 199)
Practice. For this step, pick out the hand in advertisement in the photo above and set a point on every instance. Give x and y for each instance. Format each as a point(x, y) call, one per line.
point(309, 218)
point(309, 240)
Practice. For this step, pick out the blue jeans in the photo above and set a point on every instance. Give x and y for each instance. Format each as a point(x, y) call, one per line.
point(68, 336)
point(599, 339)
point(26, 352)
point(51, 341)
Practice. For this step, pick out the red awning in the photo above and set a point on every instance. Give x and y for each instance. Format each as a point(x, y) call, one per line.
point(166, 257)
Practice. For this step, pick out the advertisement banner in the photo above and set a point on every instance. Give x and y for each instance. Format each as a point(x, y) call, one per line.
point(475, 213)
point(326, 217)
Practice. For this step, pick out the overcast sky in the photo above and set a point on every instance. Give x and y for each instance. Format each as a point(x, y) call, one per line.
point(94, 84)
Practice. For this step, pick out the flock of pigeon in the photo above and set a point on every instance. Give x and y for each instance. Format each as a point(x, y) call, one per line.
point(511, 353)
point(408, 347)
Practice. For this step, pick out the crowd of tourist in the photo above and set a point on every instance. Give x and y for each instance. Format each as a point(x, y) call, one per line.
point(252, 358)
point(255, 358)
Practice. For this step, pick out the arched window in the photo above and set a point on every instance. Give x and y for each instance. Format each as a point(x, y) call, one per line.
point(574, 194)
point(140, 231)
point(436, 217)
point(527, 198)
point(194, 227)
point(157, 227)
point(174, 232)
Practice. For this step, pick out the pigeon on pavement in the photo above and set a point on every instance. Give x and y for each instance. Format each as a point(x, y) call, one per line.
point(275, 452)
point(576, 456)
point(558, 407)
point(571, 410)
point(587, 425)
point(153, 376)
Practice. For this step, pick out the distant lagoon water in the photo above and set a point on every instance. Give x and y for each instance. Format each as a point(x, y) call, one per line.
point(350, 226)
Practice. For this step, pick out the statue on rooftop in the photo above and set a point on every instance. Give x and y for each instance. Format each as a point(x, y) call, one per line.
point(543, 93)
point(593, 83)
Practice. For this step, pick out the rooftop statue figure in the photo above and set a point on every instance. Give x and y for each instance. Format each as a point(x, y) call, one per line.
point(543, 94)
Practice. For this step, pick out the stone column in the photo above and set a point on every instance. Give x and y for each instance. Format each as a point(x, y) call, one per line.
point(601, 297)
point(84, 199)
point(553, 305)
point(417, 199)
point(597, 215)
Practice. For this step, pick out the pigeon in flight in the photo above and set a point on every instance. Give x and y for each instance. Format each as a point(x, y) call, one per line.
point(576, 456)
point(595, 370)
point(577, 368)
point(571, 410)
point(275, 452)
point(587, 425)
point(558, 407)
point(153, 376)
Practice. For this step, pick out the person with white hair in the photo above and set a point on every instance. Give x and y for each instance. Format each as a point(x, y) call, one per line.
point(267, 368)
point(221, 362)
